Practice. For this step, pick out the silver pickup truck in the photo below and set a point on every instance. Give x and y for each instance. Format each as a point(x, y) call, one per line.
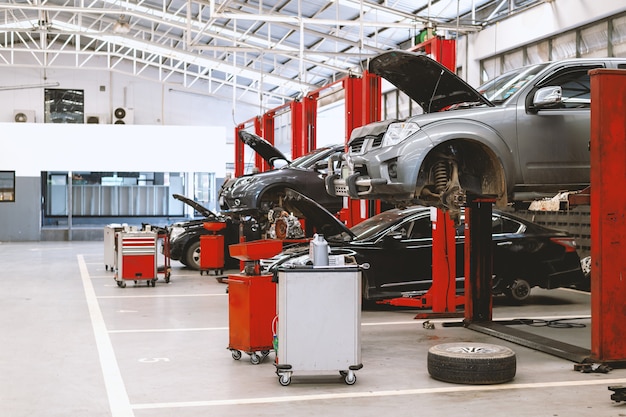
point(522, 136)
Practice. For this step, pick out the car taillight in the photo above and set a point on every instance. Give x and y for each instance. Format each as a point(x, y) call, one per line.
point(567, 242)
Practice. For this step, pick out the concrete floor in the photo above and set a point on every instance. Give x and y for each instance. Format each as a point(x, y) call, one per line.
point(74, 344)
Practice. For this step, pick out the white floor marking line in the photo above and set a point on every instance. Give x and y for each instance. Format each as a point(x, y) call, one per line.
point(191, 329)
point(116, 391)
point(162, 296)
point(352, 395)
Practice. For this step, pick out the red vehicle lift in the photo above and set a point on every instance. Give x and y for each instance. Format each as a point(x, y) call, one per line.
point(441, 297)
point(608, 234)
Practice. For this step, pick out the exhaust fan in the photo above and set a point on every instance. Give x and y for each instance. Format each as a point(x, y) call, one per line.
point(24, 116)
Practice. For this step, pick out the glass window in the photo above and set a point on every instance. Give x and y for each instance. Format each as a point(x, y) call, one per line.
point(537, 53)
point(594, 41)
point(576, 88)
point(64, 106)
point(501, 225)
point(564, 46)
point(7, 186)
point(513, 60)
point(618, 36)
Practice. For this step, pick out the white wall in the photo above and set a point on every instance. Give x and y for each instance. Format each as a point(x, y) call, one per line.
point(540, 22)
point(29, 148)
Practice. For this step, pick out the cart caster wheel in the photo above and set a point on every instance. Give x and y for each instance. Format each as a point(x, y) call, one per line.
point(350, 378)
point(121, 284)
point(167, 278)
point(153, 282)
point(255, 359)
point(236, 354)
point(284, 380)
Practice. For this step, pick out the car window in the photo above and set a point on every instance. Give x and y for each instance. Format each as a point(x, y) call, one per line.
point(420, 228)
point(501, 225)
point(575, 86)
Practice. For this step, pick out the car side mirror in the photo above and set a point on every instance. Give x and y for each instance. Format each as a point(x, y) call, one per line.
point(547, 98)
point(321, 166)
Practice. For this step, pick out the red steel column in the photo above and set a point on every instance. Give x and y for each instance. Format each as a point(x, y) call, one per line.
point(239, 152)
point(443, 290)
point(363, 106)
point(608, 215)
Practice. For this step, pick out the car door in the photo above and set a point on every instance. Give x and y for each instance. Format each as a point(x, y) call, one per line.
point(553, 144)
point(400, 260)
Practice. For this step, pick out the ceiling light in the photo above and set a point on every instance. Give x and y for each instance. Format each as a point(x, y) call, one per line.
point(121, 27)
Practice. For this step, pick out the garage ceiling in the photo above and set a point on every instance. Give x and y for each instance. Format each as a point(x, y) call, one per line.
point(258, 51)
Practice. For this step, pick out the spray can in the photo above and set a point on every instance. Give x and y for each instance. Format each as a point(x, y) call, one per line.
point(318, 250)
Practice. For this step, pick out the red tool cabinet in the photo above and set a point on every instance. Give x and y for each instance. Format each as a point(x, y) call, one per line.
point(212, 249)
point(136, 258)
point(251, 310)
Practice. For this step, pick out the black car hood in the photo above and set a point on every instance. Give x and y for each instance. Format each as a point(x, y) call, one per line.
point(198, 207)
point(266, 150)
point(314, 214)
point(426, 81)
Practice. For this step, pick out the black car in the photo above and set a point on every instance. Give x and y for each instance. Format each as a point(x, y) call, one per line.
point(184, 237)
point(256, 194)
point(397, 245)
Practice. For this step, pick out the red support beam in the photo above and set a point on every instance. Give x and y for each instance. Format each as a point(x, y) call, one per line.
point(239, 151)
point(608, 218)
point(363, 105)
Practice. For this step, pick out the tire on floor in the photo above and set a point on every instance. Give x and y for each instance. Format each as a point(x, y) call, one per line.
point(471, 363)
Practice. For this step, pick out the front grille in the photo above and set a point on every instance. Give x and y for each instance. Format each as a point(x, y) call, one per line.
point(356, 145)
point(377, 140)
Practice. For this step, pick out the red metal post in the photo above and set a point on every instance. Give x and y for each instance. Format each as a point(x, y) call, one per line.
point(441, 50)
point(239, 152)
point(608, 218)
point(363, 105)
point(443, 290)
point(267, 133)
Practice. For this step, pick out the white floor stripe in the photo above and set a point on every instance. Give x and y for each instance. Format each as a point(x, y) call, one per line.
point(116, 391)
point(192, 329)
point(352, 395)
point(162, 296)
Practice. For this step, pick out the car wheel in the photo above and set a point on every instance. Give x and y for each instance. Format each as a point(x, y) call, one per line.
point(471, 363)
point(192, 256)
point(519, 290)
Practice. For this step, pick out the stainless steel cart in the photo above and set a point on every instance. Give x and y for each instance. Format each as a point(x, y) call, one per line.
point(319, 321)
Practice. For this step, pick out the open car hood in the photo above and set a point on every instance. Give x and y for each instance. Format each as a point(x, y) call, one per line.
point(426, 81)
point(266, 150)
point(197, 206)
point(314, 214)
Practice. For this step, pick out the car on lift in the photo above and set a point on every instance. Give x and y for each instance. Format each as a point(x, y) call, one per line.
point(396, 247)
point(258, 193)
point(184, 237)
point(520, 137)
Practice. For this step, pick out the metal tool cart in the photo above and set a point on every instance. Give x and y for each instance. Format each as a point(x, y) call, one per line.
point(110, 243)
point(212, 248)
point(252, 302)
point(163, 240)
point(319, 321)
point(136, 257)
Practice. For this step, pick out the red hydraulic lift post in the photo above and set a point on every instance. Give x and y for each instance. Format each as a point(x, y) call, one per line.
point(441, 50)
point(303, 125)
point(363, 99)
point(264, 127)
point(442, 293)
point(239, 152)
point(608, 219)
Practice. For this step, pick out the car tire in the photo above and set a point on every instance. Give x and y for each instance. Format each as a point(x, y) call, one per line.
point(471, 363)
point(192, 255)
point(519, 290)
point(585, 264)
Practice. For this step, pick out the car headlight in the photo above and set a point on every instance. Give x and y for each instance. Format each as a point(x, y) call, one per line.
point(397, 132)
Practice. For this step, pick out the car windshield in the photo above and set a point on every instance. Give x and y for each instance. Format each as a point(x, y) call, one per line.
point(505, 85)
point(375, 225)
point(307, 161)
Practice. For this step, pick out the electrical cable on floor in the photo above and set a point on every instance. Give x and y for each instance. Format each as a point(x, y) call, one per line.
point(557, 324)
